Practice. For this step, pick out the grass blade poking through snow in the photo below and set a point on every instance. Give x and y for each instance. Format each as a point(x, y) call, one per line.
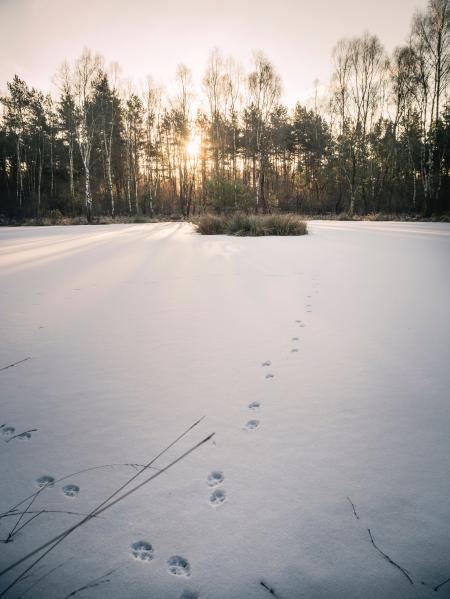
point(11, 532)
point(50, 545)
point(65, 477)
point(15, 364)
point(90, 585)
point(391, 561)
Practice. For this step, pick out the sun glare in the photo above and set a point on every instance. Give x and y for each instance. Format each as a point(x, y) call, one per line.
point(193, 146)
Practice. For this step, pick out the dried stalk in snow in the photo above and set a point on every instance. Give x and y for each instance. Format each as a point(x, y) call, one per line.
point(50, 545)
point(390, 560)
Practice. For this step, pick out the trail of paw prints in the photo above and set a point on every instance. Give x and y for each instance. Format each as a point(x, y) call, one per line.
point(177, 565)
point(47, 481)
point(218, 495)
point(9, 433)
point(265, 364)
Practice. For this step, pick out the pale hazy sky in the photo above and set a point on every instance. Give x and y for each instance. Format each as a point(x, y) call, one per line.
point(150, 37)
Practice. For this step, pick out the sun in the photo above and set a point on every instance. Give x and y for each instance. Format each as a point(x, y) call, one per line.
point(193, 146)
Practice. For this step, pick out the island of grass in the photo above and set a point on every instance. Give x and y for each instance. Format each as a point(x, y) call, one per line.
point(251, 225)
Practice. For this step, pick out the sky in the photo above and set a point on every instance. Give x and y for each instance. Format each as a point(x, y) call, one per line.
point(149, 37)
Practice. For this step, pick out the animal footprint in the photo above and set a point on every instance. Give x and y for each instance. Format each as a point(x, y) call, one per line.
point(295, 339)
point(24, 436)
point(252, 424)
point(266, 363)
point(142, 551)
point(269, 375)
point(217, 497)
point(294, 350)
point(45, 481)
point(215, 478)
point(71, 490)
point(255, 405)
point(179, 566)
point(189, 595)
point(8, 431)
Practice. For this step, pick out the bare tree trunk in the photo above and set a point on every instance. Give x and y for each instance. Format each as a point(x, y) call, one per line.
point(88, 196)
point(72, 186)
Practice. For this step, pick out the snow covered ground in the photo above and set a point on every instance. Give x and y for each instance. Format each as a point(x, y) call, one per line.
point(134, 332)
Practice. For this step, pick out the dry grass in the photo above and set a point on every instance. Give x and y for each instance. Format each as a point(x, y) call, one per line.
point(246, 225)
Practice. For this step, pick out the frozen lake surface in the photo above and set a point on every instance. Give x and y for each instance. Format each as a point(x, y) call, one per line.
point(321, 363)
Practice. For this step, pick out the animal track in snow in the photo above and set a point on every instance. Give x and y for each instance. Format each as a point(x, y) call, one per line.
point(294, 350)
point(269, 375)
point(217, 497)
point(179, 566)
point(8, 431)
point(189, 595)
point(71, 490)
point(254, 405)
point(252, 424)
point(45, 481)
point(215, 478)
point(26, 435)
point(295, 339)
point(266, 363)
point(142, 551)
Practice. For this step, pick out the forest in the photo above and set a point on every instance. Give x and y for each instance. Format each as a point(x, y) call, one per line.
point(376, 140)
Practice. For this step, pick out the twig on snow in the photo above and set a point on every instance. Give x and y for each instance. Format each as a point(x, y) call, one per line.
point(102, 507)
point(441, 584)
point(31, 430)
point(59, 480)
point(41, 579)
point(390, 560)
point(13, 530)
point(90, 585)
point(15, 364)
point(355, 513)
point(270, 589)
point(44, 511)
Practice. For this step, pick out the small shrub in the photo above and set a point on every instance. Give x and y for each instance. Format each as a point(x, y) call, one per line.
point(209, 224)
point(55, 216)
point(245, 225)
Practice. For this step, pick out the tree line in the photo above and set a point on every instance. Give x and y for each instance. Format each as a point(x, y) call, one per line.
point(376, 141)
